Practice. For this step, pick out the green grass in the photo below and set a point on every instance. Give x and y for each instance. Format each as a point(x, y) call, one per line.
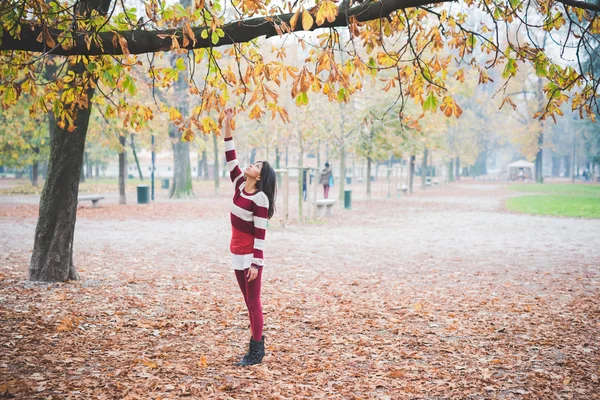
point(558, 188)
point(557, 205)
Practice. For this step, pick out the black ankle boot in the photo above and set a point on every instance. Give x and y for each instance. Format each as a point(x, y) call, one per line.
point(256, 354)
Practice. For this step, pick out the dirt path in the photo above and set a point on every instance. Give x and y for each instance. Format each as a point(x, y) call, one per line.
point(438, 295)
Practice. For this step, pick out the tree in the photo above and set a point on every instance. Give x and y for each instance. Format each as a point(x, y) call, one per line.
point(87, 32)
point(23, 139)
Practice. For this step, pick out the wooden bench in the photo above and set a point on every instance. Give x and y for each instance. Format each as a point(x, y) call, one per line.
point(325, 205)
point(403, 188)
point(94, 199)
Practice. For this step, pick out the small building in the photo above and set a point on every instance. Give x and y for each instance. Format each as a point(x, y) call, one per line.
point(521, 170)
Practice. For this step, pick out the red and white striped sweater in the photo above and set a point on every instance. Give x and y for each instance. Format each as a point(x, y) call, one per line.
point(249, 212)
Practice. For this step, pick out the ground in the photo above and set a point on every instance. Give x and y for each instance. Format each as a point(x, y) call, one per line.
point(439, 295)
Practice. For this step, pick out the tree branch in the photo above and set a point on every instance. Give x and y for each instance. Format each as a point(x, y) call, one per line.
point(140, 42)
point(581, 4)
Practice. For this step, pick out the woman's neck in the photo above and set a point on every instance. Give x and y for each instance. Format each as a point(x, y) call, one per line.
point(250, 185)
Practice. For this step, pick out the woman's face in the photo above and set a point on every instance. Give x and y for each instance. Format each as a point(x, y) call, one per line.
point(253, 170)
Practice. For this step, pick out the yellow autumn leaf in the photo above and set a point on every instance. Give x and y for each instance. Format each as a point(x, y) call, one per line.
point(294, 19)
point(307, 20)
point(148, 363)
point(202, 362)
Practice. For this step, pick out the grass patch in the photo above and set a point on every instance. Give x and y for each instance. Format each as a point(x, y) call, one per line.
point(557, 205)
point(558, 188)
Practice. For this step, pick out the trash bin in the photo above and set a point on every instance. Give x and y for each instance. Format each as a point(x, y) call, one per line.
point(349, 180)
point(347, 199)
point(143, 194)
point(164, 184)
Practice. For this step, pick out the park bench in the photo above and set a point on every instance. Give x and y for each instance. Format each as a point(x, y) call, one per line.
point(94, 199)
point(325, 205)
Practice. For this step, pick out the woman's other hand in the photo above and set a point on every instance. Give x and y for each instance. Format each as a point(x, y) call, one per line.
point(252, 274)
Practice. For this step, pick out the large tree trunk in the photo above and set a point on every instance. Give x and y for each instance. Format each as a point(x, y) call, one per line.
point(411, 173)
point(34, 173)
point(424, 168)
point(122, 171)
point(52, 256)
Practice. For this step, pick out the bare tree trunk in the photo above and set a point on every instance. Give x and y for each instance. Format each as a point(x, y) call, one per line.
point(122, 170)
point(97, 166)
point(451, 170)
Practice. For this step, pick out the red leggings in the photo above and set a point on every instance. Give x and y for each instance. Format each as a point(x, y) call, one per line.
point(251, 291)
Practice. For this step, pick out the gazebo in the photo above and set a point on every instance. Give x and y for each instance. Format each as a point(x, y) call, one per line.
point(521, 170)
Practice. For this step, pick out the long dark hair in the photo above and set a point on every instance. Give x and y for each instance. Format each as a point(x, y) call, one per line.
point(268, 185)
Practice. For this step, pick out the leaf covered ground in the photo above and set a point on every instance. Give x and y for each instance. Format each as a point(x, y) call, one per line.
point(442, 295)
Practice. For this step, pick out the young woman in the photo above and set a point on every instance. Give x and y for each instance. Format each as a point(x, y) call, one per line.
point(253, 204)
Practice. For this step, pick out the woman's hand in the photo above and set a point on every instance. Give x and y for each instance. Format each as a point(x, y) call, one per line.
point(252, 274)
point(228, 114)
point(227, 122)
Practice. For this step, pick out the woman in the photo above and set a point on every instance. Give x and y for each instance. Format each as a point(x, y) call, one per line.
point(253, 204)
point(326, 176)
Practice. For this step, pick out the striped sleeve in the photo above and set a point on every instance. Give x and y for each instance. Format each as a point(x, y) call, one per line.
point(261, 213)
point(232, 163)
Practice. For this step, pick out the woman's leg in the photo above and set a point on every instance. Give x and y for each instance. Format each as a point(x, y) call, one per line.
point(240, 275)
point(326, 191)
point(254, 305)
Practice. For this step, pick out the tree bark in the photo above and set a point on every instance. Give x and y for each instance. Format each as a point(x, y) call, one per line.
point(97, 167)
point(34, 173)
point(122, 171)
point(451, 170)
point(424, 168)
point(52, 256)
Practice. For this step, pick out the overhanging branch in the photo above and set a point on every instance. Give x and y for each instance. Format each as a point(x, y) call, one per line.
point(581, 4)
point(140, 42)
